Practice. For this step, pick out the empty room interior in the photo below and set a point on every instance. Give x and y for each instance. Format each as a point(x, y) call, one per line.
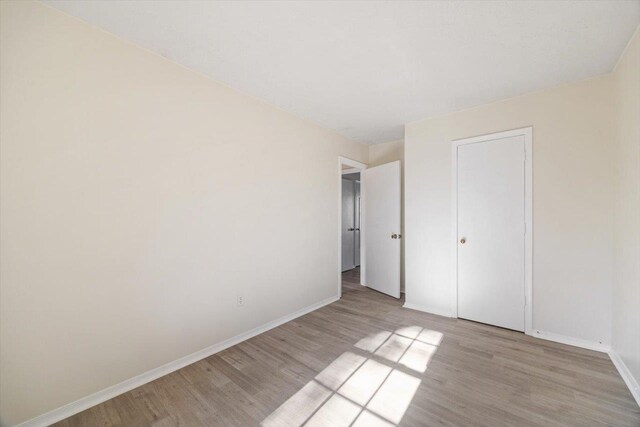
point(319, 213)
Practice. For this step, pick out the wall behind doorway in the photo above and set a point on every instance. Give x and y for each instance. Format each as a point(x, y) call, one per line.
point(350, 213)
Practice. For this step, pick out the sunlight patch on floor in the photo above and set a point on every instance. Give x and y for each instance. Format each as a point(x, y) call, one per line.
point(369, 419)
point(394, 397)
point(418, 355)
point(428, 336)
point(394, 348)
point(338, 411)
point(363, 384)
point(334, 375)
point(295, 411)
point(371, 342)
point(355, 390)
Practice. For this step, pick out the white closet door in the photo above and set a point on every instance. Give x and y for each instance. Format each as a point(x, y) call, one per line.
point(491, 227)
point(348, 225)
point(382, 228)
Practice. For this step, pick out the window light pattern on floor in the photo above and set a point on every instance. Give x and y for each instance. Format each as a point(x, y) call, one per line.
point(363, 387)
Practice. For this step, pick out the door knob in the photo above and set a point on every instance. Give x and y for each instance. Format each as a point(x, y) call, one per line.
point(350, 229)
point(394, 236)
point(463, 240)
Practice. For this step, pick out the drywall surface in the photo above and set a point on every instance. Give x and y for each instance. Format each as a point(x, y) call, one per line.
point(139, 199)
point(386, 152)
point(572, 204)
point(626, 289)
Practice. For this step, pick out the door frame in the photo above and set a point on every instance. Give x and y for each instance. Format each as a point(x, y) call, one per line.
point(354, 166)
point(527, 132)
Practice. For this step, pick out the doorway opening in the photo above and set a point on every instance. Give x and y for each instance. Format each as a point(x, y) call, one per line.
point(351, 238)
point(378, 220)
point(351, 219)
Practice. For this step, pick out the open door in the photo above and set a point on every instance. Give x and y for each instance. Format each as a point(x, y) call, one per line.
point(356, 251)
point(381, 222)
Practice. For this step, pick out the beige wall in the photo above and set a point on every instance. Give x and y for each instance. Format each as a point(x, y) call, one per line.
point(380, 154)
point(138, 199)
point(572, 204)
point(626, 289)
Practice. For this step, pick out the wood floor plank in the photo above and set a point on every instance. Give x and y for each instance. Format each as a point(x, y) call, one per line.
point(431, 370)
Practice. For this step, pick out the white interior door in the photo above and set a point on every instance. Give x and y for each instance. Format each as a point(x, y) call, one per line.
point(491, 232)
point(381, 224)
point(356, 248)
point(348, 225)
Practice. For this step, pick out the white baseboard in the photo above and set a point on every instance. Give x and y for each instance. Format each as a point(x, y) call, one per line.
point(429, 310)
point(549, 336)
point(626, 375)
point(576, 342)
point(110, 392)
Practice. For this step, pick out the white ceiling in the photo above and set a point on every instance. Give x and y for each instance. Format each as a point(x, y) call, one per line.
point(367, 68)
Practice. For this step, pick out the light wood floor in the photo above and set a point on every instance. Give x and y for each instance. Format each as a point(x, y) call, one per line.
point(367, 361)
